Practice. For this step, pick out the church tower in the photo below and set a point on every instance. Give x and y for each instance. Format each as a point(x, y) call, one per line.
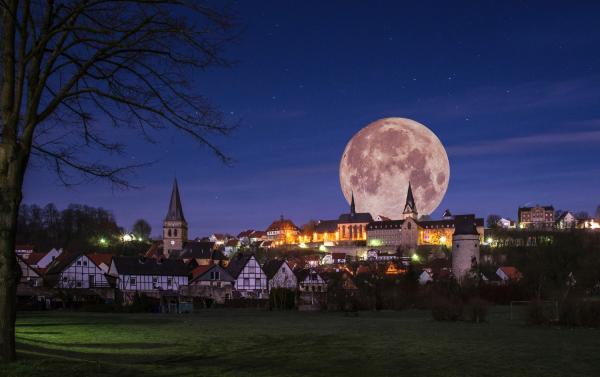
point(352, 206)
point(175, 227)
point(410, 208)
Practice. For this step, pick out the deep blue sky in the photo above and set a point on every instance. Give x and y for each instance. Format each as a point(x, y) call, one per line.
point(512, 89)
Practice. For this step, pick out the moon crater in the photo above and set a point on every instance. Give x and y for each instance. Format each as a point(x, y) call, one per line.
point(382, 158)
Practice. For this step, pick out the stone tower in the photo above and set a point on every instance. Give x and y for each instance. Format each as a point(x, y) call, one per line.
point(465, 246)
point(175, 227)
point(352, 206)
point(410, 208)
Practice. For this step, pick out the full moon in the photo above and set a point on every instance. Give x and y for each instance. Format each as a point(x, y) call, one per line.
point(382, 158)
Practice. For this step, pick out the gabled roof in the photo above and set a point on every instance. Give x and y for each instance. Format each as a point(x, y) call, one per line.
point(200, 250)
point(282, 224)
point(511, 272)
point(36, 270)
point(35, 257)
point(61, 262)
point(302, 274)
point(237, 264)
point(203, 273)
point(271, 267)
point(175, 212)
point(99, 258)
point(359, 217)
point(144, 266)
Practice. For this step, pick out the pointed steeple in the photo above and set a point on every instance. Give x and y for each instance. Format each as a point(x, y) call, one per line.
point(175, 212)
point(352, 206)
point(410, 208)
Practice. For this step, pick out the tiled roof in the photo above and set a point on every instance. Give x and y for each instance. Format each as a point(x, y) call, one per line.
point(144, 266)
point(35, 257)
point(201, 273)
point(237, 264)
point(99, 258)
point(349, 218)
point(282, 224)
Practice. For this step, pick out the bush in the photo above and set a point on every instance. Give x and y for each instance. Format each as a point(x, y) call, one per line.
point(476, 310)
point(536, 315)
point(446, 309)
point(580, 312)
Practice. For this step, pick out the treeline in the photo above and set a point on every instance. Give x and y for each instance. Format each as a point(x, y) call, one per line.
point(75, 227)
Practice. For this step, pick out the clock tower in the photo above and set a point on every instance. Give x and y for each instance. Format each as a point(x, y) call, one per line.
point(175, 227)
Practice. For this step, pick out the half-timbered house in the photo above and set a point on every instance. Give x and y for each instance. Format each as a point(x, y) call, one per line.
point(148, 275)
point(280, 275)
point(250, 279)
point(77, 271)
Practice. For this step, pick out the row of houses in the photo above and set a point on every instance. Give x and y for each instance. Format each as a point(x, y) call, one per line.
point(546, 218)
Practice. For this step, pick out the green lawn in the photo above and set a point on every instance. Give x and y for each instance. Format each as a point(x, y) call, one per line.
point(256, 343)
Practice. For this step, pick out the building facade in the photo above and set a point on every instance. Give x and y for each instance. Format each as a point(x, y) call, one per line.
point(538, 217)
point(353, 226)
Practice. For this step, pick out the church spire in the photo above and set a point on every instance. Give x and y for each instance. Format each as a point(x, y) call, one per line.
point(352, 206)
point(410, 208)
point(175, 212)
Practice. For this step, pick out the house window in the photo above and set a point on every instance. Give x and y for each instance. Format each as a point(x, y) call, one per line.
point(215, 275)
point(257, 282)
point(85, 263)
point(246, 282)
point(79, 263)
point(175, 232)
point(132, 281)
point(78, 284)
point(65, 279)
point(169, 282)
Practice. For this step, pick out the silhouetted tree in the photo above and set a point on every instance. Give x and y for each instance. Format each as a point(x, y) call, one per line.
point(65, 64)
point(492, 221)
point(141, 229)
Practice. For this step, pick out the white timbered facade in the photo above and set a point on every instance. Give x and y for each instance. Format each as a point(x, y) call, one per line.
point(250, 279)
point(148, 275)
point(280, 276)
point(82, 272)
point(29, 275)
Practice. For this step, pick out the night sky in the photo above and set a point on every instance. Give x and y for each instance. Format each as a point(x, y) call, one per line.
point(512, 89)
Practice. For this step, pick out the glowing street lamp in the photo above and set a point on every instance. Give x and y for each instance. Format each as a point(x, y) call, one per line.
point(415, 258)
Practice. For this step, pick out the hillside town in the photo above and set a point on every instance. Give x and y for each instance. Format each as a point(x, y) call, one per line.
point(178, 274)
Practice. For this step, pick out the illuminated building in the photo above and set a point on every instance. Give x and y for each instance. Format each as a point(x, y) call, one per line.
point(324, 231)
point(283, 232)
point(353, 226)
point(410, 233)
point(537, 217)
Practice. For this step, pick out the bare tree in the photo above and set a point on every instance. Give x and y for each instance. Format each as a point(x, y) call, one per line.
point(72, 70)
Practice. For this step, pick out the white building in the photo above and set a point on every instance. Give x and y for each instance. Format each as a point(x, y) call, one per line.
point(78, 271)
point(148, 275)
point(43, 260)
point(506, 223)
point(250, 279)
point(280, 275)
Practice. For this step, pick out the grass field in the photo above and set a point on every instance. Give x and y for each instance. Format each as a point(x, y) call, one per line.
point(255, 343)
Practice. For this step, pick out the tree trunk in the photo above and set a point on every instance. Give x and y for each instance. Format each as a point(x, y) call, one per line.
point(9, 204)
point(11, 181)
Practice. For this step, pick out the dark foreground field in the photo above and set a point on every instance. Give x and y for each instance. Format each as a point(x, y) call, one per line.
point(253, 343)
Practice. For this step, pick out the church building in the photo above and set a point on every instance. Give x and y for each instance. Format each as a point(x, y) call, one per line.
point(353, 226)
point(175, 228)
